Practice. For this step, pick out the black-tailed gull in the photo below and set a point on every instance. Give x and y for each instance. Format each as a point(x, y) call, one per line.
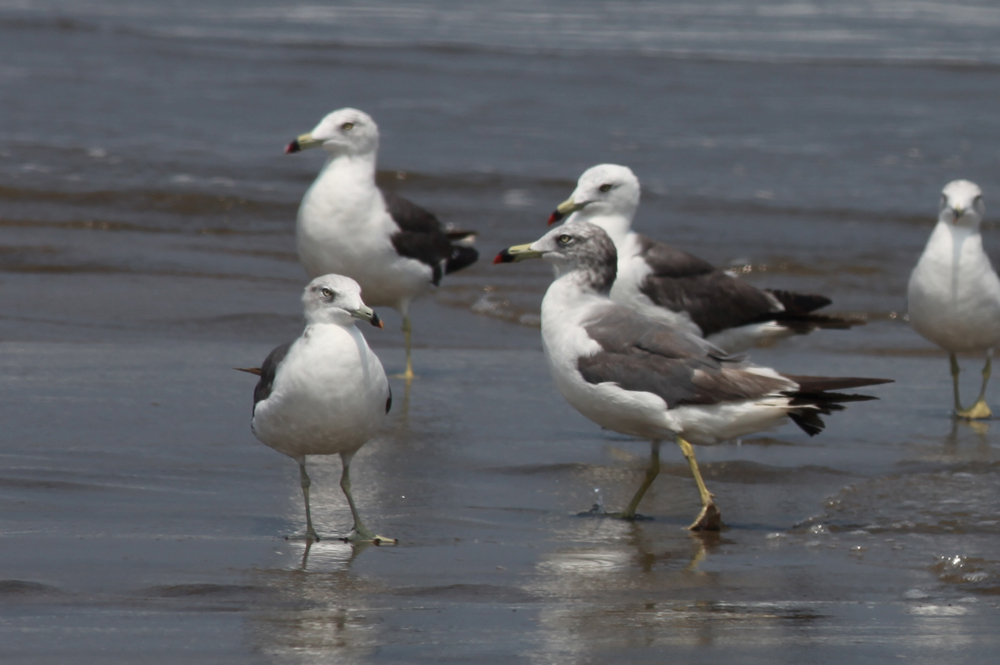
point(394, 249)
point(636, 375)
point(678, 288)
point(325, 393)
point(954, 294)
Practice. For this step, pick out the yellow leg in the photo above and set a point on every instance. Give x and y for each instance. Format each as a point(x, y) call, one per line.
point(407, 329)
point(979, 410)
point(651, 473)
point(359, 534)
point(709, 519)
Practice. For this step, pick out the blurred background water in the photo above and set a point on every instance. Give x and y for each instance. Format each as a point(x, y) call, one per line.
point(147, 246)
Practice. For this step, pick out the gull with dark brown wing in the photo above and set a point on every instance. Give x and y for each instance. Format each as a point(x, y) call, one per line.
point(394, 249)
point(671, 285)
point(639, 376)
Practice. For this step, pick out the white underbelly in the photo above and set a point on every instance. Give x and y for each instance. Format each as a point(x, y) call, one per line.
point(386, 278)
point(323, 403)
point(962, 319)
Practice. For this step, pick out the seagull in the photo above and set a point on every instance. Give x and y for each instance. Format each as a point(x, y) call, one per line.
point(642, 377)
point(393, 248)
point(954, 294)
point(326, 392)
point(680, 289)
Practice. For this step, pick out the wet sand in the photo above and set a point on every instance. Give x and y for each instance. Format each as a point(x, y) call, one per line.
point(146, 249)
point(142, 521)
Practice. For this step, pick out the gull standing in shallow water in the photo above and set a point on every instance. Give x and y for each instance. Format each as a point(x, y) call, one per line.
point(393, 248)
point(639, 376)
point(680, 289)
point(325, 393)
point(954, 294)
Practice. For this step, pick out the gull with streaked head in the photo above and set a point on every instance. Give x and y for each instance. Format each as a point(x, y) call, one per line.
point(642, 377)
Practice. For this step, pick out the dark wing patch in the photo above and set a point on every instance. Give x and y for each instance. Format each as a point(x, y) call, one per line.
point(714, 299)
point(267, 372)
point(422, 237)
point(799, 303)
point(717, 301)
point(388, 401)
point(643, 355)
point(461, 256)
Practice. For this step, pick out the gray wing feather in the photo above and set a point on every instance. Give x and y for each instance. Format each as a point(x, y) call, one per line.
point(644, 355)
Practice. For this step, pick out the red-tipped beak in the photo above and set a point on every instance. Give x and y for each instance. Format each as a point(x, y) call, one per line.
point(555, 217)
point(377, 322)
point(500, 258)
point(293, 147)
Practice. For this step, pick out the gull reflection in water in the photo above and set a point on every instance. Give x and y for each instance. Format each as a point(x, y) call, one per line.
point(607, 582)
point(962, 430)
point(319, 608)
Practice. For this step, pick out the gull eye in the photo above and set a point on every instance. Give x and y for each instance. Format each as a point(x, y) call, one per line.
point(564, 239)
point(327, 293)
point(347, 126)
point(606, 187)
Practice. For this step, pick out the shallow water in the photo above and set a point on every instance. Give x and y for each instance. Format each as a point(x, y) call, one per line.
point(147, 248)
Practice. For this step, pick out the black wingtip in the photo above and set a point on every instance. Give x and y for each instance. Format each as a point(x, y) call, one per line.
point(798, 304)
point(819, 384)
point(462, 256)
point(808, 421)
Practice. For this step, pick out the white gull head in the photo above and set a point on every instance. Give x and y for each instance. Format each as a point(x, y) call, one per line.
point(606, 195)
point(336, 299)
point(962, 204)
point(346, 131)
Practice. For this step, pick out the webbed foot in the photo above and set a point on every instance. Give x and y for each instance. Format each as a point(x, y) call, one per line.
point(366, 536)
point(978, 411)
point(710, 519)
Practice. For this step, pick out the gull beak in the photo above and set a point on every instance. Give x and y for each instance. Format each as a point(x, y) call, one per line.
point(517, 253)
point(957, 212)
point(369, 315)
point(303, 142)
point(565, 208)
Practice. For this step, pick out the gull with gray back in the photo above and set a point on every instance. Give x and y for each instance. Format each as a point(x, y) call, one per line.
point(393, 248)
point(685, 291)
point(643, 377)
point(326, 392)
point(954, 293)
